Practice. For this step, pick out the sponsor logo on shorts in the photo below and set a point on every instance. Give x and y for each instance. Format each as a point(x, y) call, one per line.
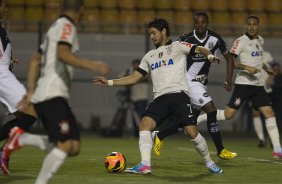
point(65, 127)
point(237, 102)
point(201, 101)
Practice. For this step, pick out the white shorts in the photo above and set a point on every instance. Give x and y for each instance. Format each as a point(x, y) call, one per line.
point(198, 94)
point(11, 90)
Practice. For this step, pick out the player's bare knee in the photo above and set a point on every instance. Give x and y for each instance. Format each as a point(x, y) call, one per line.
point(65, 146)
point(75, 148)
point(147, 124)
point(191, 131)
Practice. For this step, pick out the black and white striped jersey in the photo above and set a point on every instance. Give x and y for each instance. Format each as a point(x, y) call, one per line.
point(197, 64)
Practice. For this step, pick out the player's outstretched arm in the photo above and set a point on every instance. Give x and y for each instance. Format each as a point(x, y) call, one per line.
point(246, 68)
point(32, 76)
point(206, 52)
point(229, 71)
point(124, 81)
point(64, 54)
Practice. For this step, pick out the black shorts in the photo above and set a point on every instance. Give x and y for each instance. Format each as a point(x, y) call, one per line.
point(174, 104)
point(256, 94)
point(58, 119)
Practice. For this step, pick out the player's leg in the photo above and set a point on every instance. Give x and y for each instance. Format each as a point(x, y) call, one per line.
point(156, 112)
point(187, 117)
point(272, 129)
point(146, 126)
point(214, 132)
point(10, 95)
point(262, 102)
point(258, 128)
point(239, 94)
point(202, 148)
point(63, 130)
point(169, 127)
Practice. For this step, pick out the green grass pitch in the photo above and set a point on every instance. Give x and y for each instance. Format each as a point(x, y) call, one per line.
point(178, 163)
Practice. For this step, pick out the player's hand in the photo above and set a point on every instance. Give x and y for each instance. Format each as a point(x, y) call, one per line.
point(102, 68)
point(213, 59)
point(13, 63)
point(102, 81)
point(227, 85)
point(24, 102)
point(251, 70)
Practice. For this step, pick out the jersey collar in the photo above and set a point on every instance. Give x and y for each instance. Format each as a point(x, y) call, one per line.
point(200, 40)
point(250, 37)
point(67, 17)
point(167, 43)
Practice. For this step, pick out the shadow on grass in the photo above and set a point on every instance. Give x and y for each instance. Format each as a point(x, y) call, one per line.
point(12, 179)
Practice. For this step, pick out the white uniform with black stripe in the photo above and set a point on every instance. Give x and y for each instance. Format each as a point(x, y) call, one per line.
point(250, 53)
point(11, 90)
point(198, 65)
point(55, 76)
point(167, 65)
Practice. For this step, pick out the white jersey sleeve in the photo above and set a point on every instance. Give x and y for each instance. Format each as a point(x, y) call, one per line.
point(67, 33)
point(237, 47)
point(144, 63)
point(185, 47)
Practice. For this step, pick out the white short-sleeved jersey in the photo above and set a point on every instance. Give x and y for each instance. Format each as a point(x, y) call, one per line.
point(250, 52)
point(5, 49)
point(167, 65)
point(55, 75)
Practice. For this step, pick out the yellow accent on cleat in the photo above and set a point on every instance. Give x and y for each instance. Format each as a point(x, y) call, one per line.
point(227, 155)
point(157, 144)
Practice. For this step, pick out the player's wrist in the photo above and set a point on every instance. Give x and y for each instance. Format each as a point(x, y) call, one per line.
point(110, 82)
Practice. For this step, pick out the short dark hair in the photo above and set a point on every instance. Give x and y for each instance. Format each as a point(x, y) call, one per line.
point(252, 17)
point(160, 24)
point(201, 14)
point(73, 5)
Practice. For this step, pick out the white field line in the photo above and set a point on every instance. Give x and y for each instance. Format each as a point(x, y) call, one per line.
point(247, 158)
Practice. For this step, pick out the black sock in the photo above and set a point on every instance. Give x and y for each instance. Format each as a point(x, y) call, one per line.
point(25, 121)
point(213, 129)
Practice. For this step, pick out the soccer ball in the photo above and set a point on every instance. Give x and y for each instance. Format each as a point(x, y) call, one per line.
point(115, 162)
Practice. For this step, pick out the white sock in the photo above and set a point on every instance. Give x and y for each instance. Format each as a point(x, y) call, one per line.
point(219, 116)
point(145, 146)
point(272, 130)
point(51, 164)
point(35, 140)
point(202, 148)
point(258, 128)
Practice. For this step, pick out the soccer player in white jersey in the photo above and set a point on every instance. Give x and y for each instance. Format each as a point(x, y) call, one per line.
point(11, 91)
point(197, 77)
point(49, 91)
point(248, 49)
point(167, 65)
point(267, 78)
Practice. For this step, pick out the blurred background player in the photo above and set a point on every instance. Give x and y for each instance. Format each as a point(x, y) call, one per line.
point(167, 66)
point(197, 76)
point(11, 91)
point(49, 91)
point(248, 49)
point(268, 80)
point(138, 95)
